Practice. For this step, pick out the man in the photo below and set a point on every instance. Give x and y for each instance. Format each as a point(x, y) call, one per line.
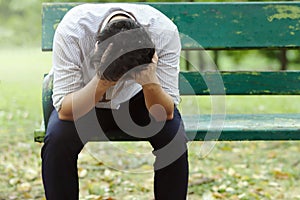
point(93, 46)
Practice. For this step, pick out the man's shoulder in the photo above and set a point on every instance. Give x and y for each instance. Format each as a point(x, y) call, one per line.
point(102, 8)
point(98, 10)
point(88, 16)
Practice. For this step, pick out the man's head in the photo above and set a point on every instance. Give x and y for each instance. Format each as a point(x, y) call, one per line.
point(129, 40)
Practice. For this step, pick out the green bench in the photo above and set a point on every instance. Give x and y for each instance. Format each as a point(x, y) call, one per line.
point(216, 26)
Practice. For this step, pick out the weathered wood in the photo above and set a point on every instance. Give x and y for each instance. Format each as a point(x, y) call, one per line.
point(214, 25)
point(240, 83)
point(238, 127)
point(233, 128)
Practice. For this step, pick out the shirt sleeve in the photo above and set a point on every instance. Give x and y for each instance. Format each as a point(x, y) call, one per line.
point(169, 48)
point(67, 73)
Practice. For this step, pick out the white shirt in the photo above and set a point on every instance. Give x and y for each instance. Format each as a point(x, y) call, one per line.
point(74, 40)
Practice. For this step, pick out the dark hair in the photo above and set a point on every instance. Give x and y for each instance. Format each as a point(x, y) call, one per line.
point(125, 33)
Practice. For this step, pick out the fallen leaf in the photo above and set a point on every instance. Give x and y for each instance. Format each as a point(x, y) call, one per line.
point(218, 195)
point(82, 172)
point(14, 181)
point(280, 174)
point(30, 174)
point(200, 180)
point(24, 187)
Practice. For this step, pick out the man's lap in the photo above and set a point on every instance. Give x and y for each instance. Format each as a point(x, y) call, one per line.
point(132, 118)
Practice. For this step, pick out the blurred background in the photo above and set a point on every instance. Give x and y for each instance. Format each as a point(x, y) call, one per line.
point(233, 170)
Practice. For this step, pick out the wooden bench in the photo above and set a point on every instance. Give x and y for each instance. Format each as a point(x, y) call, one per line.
point(218, 26)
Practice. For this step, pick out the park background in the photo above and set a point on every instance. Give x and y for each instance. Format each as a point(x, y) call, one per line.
point(233, 170)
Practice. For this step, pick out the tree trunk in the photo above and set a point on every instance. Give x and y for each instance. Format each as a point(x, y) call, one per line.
point(283, 59)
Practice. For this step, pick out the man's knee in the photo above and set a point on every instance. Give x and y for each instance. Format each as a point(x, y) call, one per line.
point(172, 132)
point(58, 129)
point(170, 145)
point(61, 134)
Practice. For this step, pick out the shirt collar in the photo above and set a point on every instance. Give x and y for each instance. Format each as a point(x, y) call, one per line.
point(111, 15)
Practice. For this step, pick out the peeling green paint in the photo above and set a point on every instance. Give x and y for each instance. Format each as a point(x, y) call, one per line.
point(255, 73)
point(283, 12)
point(55, 26)
point(296, 27)
point(206, 91)
point(267, 91)
point(291, 45)
point(213, 25)
point(63, 9)
point(292, 27)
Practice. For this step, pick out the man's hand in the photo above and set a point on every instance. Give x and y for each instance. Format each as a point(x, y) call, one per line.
point(159, 104)
point(113, 62)
point(145, 75)
point(103, 65)
point(105, 84)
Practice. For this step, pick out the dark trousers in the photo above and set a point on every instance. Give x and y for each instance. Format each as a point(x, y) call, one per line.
point(64, 140)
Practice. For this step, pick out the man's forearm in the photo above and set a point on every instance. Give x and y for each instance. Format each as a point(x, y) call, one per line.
point(158, 102)
point(79, 103)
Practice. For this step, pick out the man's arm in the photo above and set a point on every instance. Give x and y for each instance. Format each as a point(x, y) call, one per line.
point(77, 104)
point(160, 81)
point(159, 103)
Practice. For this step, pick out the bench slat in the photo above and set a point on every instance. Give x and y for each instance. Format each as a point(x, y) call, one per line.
point(213, 25)
point(236, 127)
point(240, 83)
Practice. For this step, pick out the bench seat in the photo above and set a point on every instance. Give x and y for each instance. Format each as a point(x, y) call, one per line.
point(245, 127)
point(234, 127)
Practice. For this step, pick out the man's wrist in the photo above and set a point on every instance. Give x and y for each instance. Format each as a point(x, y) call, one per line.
point(148, 80)
point(102, 84)
point(151, 86)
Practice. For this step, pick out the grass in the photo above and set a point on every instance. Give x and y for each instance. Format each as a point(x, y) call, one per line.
point(233, 170)
point(21, 72)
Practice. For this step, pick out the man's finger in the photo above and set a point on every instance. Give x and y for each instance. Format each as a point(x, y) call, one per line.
point(155, 58)
point(106, 53)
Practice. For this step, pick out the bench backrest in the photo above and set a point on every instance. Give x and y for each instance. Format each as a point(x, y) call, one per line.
point(214, 25)
point(221, 26)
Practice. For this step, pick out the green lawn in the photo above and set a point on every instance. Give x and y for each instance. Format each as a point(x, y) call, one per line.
point(21, 72)
point(233, 170)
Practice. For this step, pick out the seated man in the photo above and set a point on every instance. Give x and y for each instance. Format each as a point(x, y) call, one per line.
point(118, 64)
